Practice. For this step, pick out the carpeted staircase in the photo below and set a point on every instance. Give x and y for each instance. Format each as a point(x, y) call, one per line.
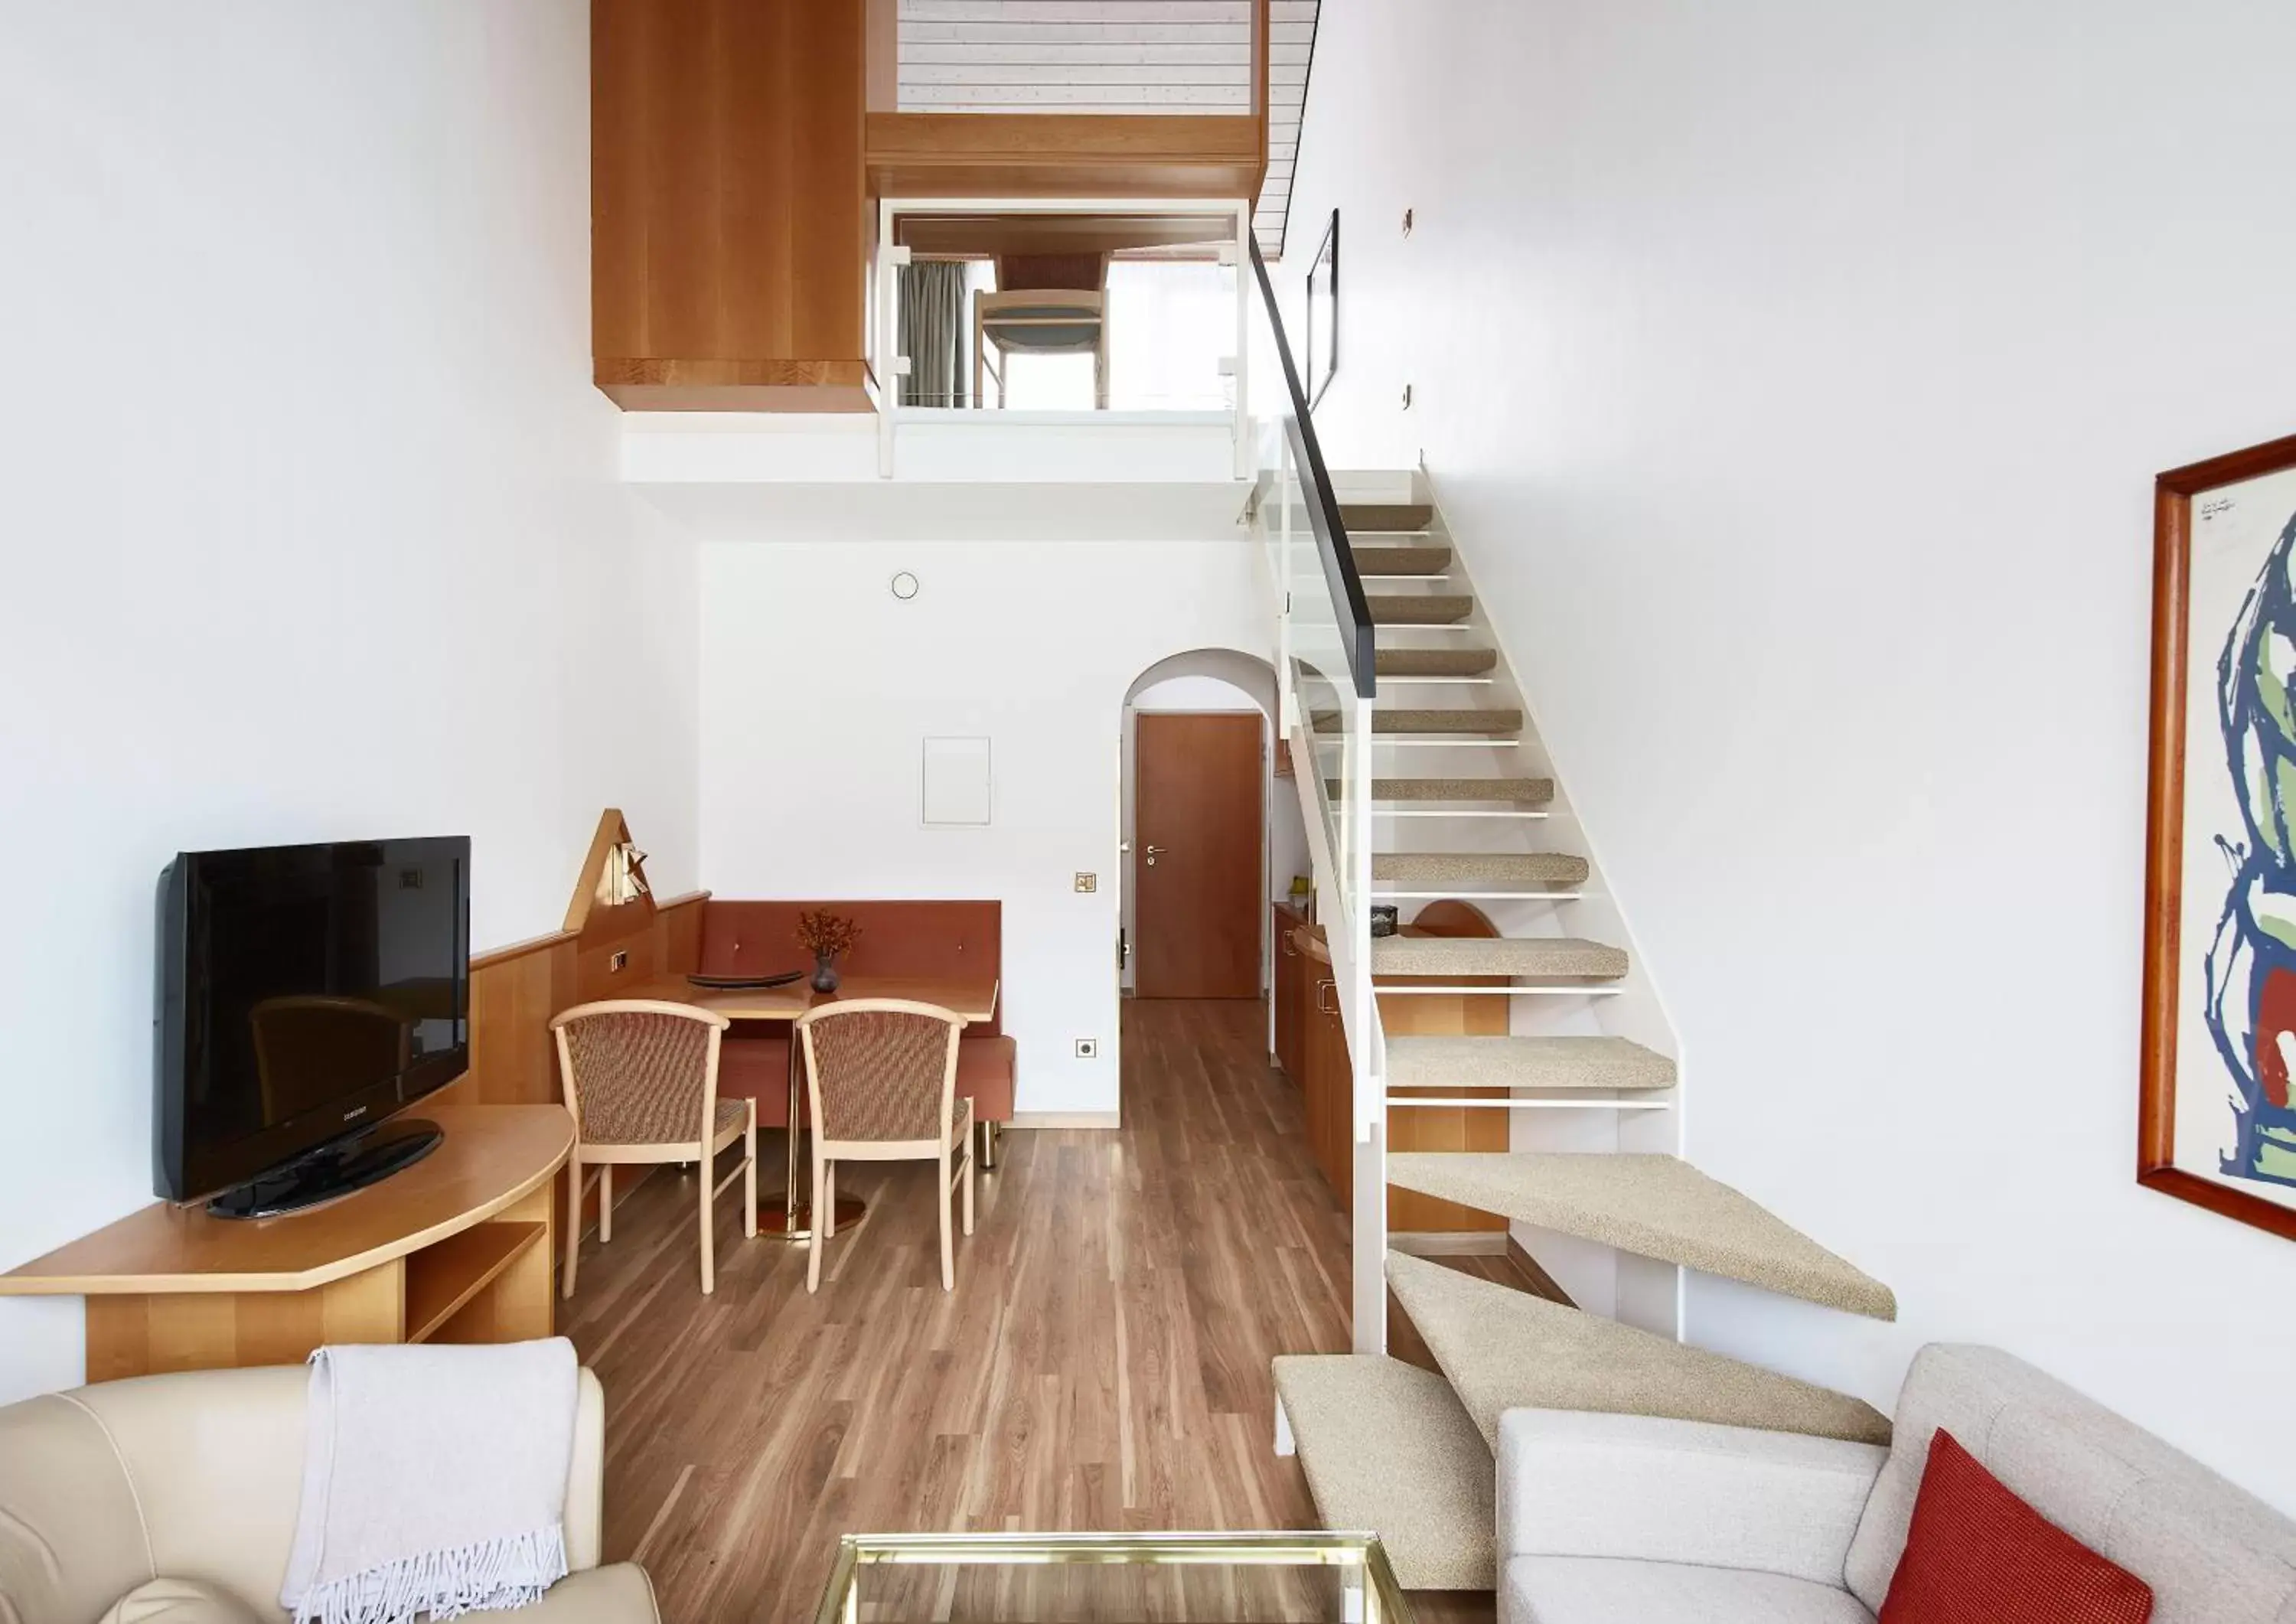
point(1384, 1444)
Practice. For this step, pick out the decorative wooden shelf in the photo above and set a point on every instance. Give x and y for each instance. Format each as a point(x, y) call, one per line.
point(442, 1280)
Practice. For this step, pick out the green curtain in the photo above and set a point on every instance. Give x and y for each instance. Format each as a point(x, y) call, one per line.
point(933, 333)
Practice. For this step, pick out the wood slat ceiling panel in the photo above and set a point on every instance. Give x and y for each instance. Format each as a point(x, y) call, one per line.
point(1113, 56)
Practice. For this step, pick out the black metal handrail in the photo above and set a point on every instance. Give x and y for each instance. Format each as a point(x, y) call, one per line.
point(1339, 559)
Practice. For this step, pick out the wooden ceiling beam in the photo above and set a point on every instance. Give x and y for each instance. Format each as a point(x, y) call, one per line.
point(1140, 155)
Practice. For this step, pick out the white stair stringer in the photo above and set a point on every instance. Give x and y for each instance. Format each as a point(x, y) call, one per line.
point(1502, 1349)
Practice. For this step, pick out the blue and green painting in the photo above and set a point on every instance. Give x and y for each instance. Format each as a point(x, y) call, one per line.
point(2251, 963)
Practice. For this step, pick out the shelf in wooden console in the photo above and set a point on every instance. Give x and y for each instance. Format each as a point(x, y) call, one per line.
point(456, 1247)
point(442, 1280)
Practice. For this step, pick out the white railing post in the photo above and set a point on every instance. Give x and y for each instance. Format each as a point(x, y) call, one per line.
point(1287, 708)
point(892, 365)
point(1367, 1056)
point(1238, 255)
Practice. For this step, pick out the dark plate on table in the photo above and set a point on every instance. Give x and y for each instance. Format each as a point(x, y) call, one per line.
point(742, 983)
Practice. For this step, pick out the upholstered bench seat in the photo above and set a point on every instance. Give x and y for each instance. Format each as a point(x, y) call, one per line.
point(984, 1075)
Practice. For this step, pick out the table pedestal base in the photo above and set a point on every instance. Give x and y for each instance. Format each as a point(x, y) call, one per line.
point(779, 1223)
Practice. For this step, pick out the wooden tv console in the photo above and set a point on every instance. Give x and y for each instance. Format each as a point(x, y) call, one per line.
point(457, 1248)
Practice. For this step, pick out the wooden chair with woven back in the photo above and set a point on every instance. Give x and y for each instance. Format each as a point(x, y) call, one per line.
point(641, 1078)
point(881, 1078)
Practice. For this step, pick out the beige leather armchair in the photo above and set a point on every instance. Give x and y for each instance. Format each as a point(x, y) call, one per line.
point(198, 1476)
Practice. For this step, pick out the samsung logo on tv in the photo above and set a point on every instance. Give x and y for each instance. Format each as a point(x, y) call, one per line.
point(353, 1116)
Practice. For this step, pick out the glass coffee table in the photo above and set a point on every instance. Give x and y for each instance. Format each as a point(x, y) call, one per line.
point(1113, 1579)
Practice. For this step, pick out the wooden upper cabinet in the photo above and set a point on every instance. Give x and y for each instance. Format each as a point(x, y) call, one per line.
point(730, 222)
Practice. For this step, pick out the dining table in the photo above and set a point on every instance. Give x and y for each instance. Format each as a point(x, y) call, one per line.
point(973, 998)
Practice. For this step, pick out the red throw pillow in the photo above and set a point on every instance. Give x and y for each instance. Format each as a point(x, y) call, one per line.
point(1978, 1555)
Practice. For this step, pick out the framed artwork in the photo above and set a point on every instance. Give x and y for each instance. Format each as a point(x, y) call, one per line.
point(1323, 314)
point(2216, 1118)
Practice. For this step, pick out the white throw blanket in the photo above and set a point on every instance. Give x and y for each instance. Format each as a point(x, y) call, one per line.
point(434, 1481)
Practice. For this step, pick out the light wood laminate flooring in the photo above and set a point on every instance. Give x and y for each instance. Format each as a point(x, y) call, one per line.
point(1102, 1365)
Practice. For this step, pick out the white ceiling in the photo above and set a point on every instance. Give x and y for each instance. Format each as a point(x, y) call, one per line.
point(1113, 56)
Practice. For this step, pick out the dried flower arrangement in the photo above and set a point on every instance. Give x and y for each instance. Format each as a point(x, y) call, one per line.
point(826, 935)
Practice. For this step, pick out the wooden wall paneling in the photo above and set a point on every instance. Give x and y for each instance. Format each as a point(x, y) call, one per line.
point(515, 991)
point(1456, 1127)
point(728, 204)
point(927, 155)
point(513, 994)
point(628, 930)
point(882, 36)
point(679, 923)
point(659, 939)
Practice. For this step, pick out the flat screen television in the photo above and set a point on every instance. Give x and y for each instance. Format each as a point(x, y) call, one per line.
point(307, 995)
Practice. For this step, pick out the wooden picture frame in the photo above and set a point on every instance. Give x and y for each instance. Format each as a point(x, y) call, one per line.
point(2249, 1046)
point(1323, 338)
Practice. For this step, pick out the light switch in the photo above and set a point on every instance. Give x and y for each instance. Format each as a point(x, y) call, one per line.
point(1087, 882)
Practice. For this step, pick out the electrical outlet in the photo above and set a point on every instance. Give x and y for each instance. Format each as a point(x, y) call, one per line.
point(1087, 882)
point(1087, 1048)
point(620, 961)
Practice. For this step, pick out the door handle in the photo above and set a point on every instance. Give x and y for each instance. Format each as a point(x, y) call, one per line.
point(1321, 989)
point(1153, 852)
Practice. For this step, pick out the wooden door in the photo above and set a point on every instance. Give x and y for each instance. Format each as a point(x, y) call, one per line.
point(1196, 867)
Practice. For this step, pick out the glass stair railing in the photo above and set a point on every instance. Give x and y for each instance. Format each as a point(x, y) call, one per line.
point(1326, 665)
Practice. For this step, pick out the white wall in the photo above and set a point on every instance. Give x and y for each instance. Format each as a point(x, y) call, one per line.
point(1794, 375)
point(818, 687)
point(311, 524)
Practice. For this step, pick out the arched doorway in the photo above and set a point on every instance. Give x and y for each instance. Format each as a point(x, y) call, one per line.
point(1210, 837)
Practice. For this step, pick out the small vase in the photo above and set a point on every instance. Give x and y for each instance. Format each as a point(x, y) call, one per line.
point(824, 973)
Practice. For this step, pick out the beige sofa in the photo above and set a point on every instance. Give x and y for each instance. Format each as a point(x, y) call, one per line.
point(198, 1477)
point(1630, 1520)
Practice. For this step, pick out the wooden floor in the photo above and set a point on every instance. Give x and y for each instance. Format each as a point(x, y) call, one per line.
point(1102, 1365)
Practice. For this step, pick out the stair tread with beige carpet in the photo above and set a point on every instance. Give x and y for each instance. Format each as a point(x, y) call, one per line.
point(1420, 608)
point(1434, 662)
point(1524, 791)
point(1495, 721)
point(1653, 1205)
point(1504, 1350)
point(1388, 1447)
point(1506, 867)
point(1509, 955)
point(1371, 518)
point(1406, 558)
point(1525, 1062)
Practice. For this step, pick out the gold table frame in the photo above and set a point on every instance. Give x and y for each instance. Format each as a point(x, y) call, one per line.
point(1369, 1594)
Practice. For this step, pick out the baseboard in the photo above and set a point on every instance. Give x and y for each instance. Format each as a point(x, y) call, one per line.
point(1449, 1242)
point(1066, 1118)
